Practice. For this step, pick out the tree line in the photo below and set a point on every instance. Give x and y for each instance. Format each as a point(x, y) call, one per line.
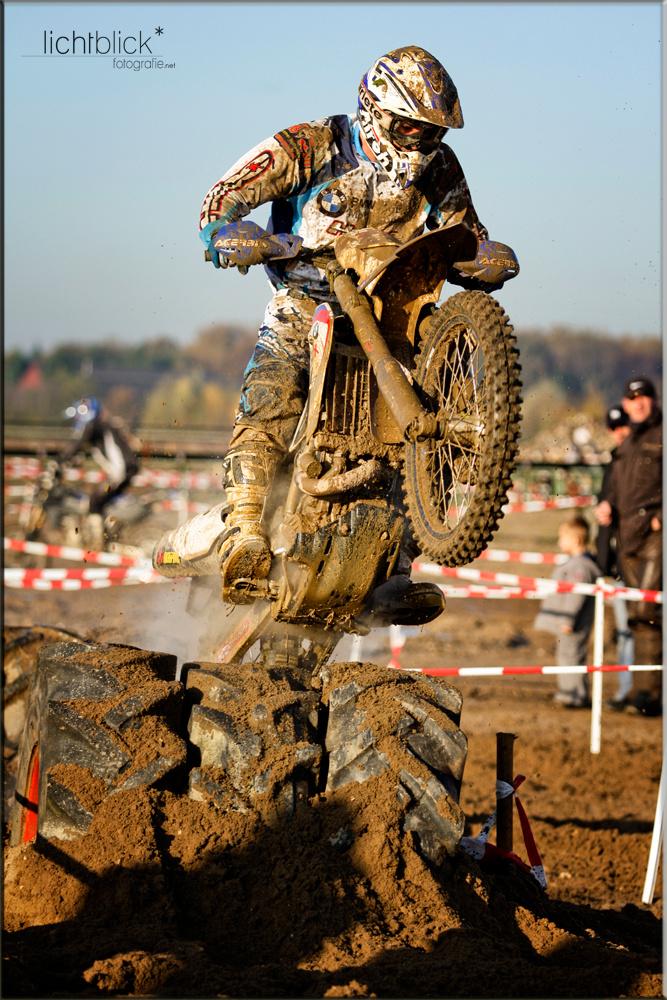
point(160, 383)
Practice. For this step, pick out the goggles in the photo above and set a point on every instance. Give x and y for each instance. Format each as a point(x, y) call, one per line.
point(408, 133)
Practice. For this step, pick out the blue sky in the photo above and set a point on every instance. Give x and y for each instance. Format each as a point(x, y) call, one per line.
point(106, 166)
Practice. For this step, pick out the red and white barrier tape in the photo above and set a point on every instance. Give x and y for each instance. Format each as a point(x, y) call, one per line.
point(494, 593)
point(189, 505)
point(74, 554)
point(509, 671)
point(479, 847)
point(162, 478)
point(398, 635)
point(205, 480)
point(78, 579)
point(22, 468)
point(537, 558)
point(528, 586)
point(490, 555)
point(552, 503)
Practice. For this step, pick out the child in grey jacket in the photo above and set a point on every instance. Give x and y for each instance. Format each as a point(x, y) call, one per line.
point(570, 616)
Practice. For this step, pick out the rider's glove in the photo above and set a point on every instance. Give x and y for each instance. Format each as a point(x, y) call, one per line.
point(207, 235)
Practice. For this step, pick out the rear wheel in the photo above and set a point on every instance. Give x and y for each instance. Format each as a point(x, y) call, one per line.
point(102, 719)
point(467, 373)
point(260, 733)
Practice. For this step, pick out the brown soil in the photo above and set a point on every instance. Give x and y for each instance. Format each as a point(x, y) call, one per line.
point(165, 896)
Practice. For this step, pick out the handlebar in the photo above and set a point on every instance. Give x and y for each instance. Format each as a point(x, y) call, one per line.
point(243, 244)
point(319, 258)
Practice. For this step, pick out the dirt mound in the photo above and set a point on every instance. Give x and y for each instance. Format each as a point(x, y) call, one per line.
point(168, 896)
point(165, 897)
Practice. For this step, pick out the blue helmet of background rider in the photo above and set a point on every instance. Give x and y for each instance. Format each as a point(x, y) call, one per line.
point(407, 101)
point(83, 411)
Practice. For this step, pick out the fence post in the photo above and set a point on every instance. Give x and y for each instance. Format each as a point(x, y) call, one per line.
point(596, 680)
point(505, 805)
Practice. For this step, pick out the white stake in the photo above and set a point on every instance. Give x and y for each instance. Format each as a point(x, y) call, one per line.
point(355, 652)
point(656, 842)
point(596, 681)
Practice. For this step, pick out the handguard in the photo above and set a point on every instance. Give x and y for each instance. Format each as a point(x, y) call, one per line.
point(495, 262)
point(246, 243)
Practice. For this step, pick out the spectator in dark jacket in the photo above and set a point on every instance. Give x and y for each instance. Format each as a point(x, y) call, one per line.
point(618, 425)
point(634, 504)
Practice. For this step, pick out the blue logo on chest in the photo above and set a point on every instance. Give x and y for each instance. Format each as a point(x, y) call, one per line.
point(332, 201)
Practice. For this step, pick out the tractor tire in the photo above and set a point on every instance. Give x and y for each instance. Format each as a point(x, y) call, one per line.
point(255, 733)
point(20, 645)
point(384, 720)
point(102, 719)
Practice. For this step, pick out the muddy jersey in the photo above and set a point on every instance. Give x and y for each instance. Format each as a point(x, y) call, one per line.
point(321, 184)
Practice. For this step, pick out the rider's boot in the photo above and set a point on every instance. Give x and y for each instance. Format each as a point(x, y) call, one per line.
point(228, 539)
point(192, 548)
point(244, 549)
point(399, 601)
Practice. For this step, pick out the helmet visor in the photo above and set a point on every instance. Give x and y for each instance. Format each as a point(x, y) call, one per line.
point(409, 133)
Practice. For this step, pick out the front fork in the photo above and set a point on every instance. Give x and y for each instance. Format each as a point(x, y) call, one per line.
point(414, 422)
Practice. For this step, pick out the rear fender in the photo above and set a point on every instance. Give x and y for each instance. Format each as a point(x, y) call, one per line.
point(320, 339)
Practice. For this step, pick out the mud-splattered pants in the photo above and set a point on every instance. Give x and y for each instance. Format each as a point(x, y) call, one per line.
point(275, 382)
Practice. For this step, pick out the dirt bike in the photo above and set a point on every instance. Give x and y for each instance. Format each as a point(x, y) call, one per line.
point(411, 424)
point(58, 513)
point(410, 429)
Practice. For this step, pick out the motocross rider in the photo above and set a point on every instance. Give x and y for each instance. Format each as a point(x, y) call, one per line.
point(112, 447)
point(386, 167)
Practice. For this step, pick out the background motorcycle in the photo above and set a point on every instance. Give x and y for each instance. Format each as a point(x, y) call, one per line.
point(58, 514)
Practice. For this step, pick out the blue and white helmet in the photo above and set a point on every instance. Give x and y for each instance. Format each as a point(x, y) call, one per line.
point(83, 411)
point(407, 101)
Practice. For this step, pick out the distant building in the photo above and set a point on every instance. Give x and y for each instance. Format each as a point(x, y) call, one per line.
point(140, 379)
point(32, 378)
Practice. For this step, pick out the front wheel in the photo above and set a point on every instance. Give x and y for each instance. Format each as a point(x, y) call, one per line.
point(466, 371)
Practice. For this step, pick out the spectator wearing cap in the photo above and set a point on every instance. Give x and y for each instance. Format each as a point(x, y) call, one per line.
point(618, 425)
point(633, 504)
